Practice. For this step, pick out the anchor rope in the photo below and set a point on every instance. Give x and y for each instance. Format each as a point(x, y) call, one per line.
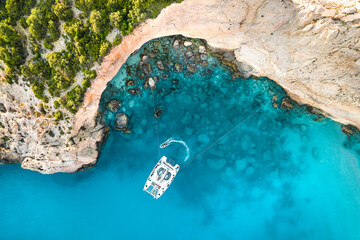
point(156, 123)
point(219, 139)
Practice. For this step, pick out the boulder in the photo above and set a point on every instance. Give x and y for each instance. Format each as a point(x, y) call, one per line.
point(114, 105)
point(176, 44)
point(130, 83)
point(191, 67)
point(158, 112)
point(160, 65)
point(204, 63)
point(134, 91)
point(178, 67)
point(152, 84)
point(152, 54)
point(145, 59)
point(203, 57)
point(188, 54)
point(286, 103)
point(187, 43)
point(121, 122)
point(347, 130)
point(147, 68)
point(202, 49)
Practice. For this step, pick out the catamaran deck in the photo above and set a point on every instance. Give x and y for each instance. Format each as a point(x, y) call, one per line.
point(161, 177)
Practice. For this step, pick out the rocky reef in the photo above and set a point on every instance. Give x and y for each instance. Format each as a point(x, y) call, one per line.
point(310, 48)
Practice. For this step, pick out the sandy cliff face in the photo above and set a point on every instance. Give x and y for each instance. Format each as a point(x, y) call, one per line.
point(311, 48)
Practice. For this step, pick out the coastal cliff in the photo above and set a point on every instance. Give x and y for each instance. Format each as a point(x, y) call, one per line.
point(310, 48)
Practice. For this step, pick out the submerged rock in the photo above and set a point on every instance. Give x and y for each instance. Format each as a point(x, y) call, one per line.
point(202, 49)
point(188, 54)
point(134, 91)
point(176, 44)
point(203, 57)
point(191, 67)
point(130, 83)
point(160, 65)
point(147, 68)
point(216, 163)
point(203, 138)
point(204, 63)
point(145, 59)
point(187, 43)
point(286, 103)
point(152, 54)
point(347, 130)
point(121, 122)
point(178, 67)
point(240, 165)
point(158, 113)
point(152, 84)
point(114, 105)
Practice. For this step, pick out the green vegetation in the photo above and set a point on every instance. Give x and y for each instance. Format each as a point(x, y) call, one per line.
point(53, 73)
point(11, 49)
point(117, 40)
point(58, 115)
point(62, 10)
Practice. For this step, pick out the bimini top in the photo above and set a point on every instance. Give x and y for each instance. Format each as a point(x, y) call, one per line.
point(161, 177)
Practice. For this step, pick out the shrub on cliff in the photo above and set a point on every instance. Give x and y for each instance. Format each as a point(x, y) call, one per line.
point(58, 115)
point(98, 22)
point(17, 8)
point(62, 10)
point(74, 99)
point(41, 18)
point(11, 48)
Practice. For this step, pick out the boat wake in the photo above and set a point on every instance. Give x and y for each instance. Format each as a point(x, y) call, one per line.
point(170, 140)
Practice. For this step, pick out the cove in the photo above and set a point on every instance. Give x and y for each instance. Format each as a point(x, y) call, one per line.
point(280, 174)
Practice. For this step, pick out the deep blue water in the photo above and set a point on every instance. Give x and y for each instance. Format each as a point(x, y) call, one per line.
point(279, 175)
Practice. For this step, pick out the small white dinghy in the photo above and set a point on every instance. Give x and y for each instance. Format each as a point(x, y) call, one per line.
point(161, 177)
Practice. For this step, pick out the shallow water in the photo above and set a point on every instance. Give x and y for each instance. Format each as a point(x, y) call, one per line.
point(278, 175)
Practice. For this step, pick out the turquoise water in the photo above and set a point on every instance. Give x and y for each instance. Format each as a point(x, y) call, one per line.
point(279, 175)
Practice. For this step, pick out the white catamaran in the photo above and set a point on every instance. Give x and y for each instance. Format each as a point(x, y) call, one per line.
point(161, 177)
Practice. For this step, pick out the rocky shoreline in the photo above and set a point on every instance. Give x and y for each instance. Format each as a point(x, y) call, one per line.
point(310, 48)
